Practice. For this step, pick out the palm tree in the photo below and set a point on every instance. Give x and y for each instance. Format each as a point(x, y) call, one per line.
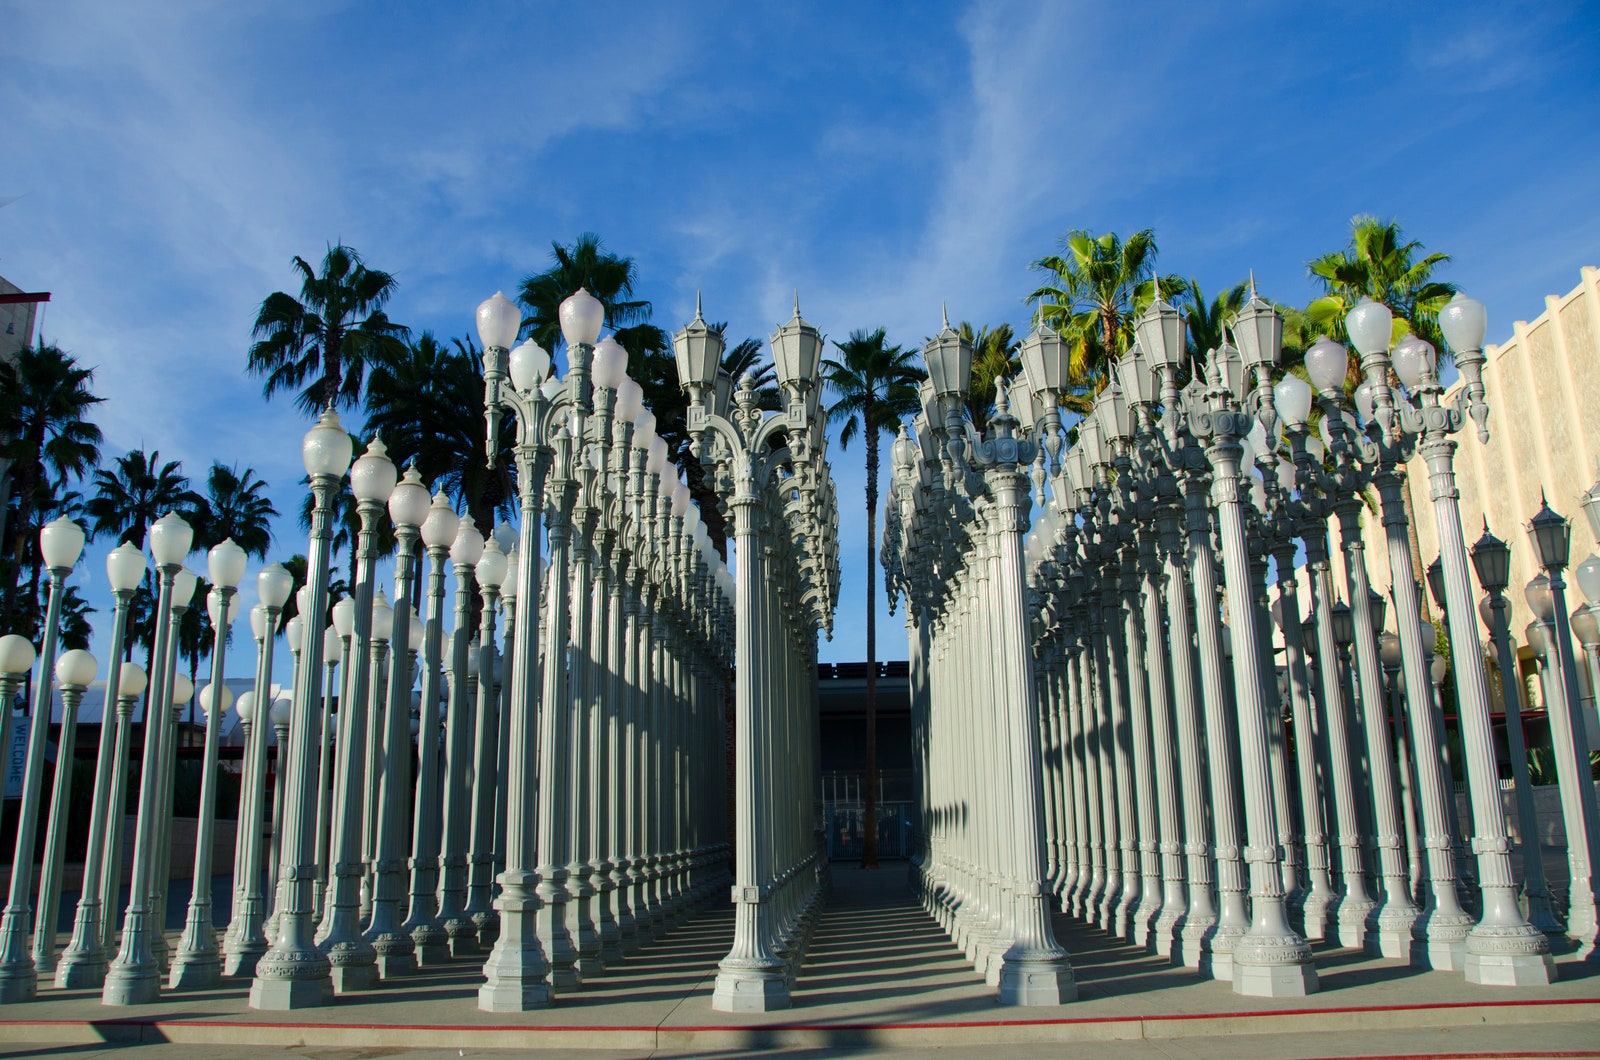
point(609, 277)
point(236, 506)
point(135, 492)
point(1208, 320)
point(1097, 289)
point(45, 396)
point(994, 357)
point(325, 340)
point(876, 389)
point(427, 404)
point(1379, 263)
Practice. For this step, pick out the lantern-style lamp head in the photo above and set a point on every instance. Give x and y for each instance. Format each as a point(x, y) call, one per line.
point(1230, 367)
point(1378, 606)
point(1160, 333)
point(1045, 357)
point(274, 584)
point(326, 448)
point(528, 366)
point(225, 564)
point(408, 501)
point(76, 668)
point(1492, 562)
point(373, 476)
point(1258, 328)
point(414, 631)
point(1344, 628)
point(1464, 322)
point(125, 568)
point(949, 359)
point(582, 316)
point(441, 523)
point(498, 322)
point(1436, 588)
point(796, 351)
point(697, 350)
point(170, 538)
point(1552, 537)
point(16, 658)
point(1371, 326)
point(1133, 375)
point(468, 545)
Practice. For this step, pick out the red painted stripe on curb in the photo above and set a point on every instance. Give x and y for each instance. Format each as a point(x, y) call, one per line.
point(952, 1025)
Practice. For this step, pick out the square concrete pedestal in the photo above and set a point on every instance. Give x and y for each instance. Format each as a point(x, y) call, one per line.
point(1277, 980)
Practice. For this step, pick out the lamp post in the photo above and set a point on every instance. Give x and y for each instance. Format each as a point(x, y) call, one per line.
point(1491, 558)
point(749, 451)
point(408, 507)
point(352, 960)
point(295, 973)
point(134, 681)
point(83, 962)
point(1551, 537)
point(438, 531)
point(197, 965)
point(247, 939)
point(60, 544)
point(460, 932)
point(519, 975)
point(134, 977)
point(74, 670)
point(335, 653)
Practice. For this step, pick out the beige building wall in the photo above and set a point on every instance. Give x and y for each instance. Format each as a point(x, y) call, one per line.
point(1544, 437)
point(16, 322)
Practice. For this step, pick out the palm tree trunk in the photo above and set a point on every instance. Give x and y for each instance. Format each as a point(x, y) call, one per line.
point(869, 807)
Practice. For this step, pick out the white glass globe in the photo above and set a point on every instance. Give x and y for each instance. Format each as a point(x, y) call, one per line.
point(273, 585)
point(373, 477)
point(498, 321)
point(61, 543)
point(76, 667)
point(409, 500)
point(1327, 362)
point(125, 567)
point(610, 363)
point(1464, 322)
point(225, 564)
point(134, 680)
point(529, 366)
point(491, 566)
point(16, 655)
point(582, 316)
point(182, 690)
point(440, 526)
point(1370, 325)
point(326, 448)
point(245, 705)
point(468, 545)
point(630, 400)
point(1292, 396)
point(170, 538)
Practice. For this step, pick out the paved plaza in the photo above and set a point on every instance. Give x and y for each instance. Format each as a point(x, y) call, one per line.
point(879, 975)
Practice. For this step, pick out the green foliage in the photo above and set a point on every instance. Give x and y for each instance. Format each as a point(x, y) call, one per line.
point(1096, 290)
point(45, 399)
point(995, 357)
point(323, 342)
point(1379, 263)
point(235, 507)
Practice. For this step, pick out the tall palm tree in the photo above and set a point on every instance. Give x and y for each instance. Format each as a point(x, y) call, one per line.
point(326, 340)
point(1381, 264)
point(609, 277)
point(45, 399)
point(875, 386)
point(1096, 290)
point(995, 356)
point(236, 506)
point(1208, 320)
point(134, 492)
point(427, 404)
point(128, 498)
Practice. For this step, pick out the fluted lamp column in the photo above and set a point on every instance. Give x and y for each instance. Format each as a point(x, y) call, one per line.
point(294, 973)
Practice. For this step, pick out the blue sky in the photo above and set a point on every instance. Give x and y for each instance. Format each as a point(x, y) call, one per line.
point(171, 158)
